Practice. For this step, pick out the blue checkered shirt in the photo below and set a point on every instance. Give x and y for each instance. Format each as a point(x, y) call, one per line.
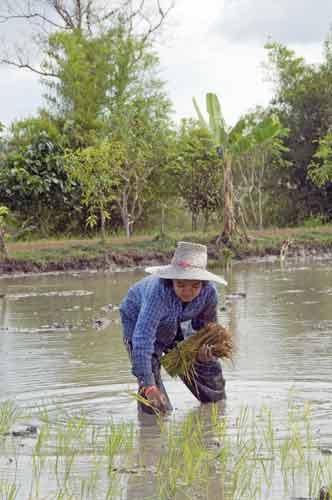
point(151, 314)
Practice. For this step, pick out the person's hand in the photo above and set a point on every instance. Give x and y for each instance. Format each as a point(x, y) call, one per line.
point(155, 397)
point(205, 353)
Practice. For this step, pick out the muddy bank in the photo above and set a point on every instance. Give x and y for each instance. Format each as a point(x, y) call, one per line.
point(113, 261)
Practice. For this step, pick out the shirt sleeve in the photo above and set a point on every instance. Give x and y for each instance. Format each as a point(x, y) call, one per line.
point(144, 337)
point(209, 312)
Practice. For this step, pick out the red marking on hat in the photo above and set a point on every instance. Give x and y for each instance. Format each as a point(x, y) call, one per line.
point(184, 264)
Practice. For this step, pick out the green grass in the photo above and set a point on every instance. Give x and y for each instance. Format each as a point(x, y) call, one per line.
point(89, 251)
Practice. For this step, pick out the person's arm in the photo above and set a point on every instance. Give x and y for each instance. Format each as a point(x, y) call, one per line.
point(144, 337)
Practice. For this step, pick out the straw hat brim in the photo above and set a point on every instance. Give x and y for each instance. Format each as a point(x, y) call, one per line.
point(180, 273)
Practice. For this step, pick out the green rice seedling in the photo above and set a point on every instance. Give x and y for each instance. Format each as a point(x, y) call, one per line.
point(169, 468)
point(220, 429)
point(118, 438)
point(268, 431)
point(70, 441)
point(180, 361)
point(64, 495)
point(297, 445)
point(88, 487)
point(268, 468)
point(242, 474)
point(285, 450)
point(141, 399)
point(8, 491)
point(326, 475)
point(9, 414)
point(242, 424)
point(292, 448)
point(314, 473)
point(307, 419)
point(248, 464)
point(184, 465)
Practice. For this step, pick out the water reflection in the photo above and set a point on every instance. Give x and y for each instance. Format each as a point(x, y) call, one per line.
point(153, 446)
point(53, 353)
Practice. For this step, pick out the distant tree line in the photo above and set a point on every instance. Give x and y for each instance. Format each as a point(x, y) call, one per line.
point(104, 152)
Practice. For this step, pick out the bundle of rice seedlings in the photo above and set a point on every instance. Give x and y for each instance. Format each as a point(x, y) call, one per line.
point(181, 360)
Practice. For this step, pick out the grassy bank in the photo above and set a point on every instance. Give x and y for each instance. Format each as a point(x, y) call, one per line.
point(118, 252)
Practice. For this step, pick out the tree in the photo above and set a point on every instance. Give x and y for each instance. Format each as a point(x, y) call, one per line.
point(232, 143)
point(303, 104)
point(34, 183)
point(23, 133)
point(2, 142)
point(196, 171)
point(320, 169)
point(96, 170)
point(162, 193)
point(77, 98)
point(102, 84)
point(91, 58)
point(254, 171)
point(138, 117)
point(145, 141)
point(40, 18)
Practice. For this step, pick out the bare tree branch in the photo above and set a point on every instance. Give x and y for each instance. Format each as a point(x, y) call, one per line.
point(153, 28)
point(47, 16)
point(64, 13)
point(78, 12)
point(34, 15)
point(22, 65)
point(160, 9)
point(73, 15)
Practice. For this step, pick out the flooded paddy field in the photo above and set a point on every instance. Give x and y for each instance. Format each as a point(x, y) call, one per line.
point(70, 426)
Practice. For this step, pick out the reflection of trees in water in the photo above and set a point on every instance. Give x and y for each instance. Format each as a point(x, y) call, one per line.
point(5, 343)
point(3, 311)
point(161, 449)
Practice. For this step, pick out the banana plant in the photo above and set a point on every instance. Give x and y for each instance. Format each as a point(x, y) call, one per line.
point(232, 143)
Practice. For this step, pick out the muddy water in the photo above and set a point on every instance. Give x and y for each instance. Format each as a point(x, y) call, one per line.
point(60, 346)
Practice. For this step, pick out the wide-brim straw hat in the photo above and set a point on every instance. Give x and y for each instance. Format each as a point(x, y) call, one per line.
point(188, 263)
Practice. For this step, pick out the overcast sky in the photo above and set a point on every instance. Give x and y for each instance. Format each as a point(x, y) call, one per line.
point(208, 46)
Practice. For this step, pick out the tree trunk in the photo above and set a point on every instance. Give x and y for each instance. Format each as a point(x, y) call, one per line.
point(102, 225)
point(260, 210)
point(3, 248)
point(162, 220)
point(206, 220)
point(125, 215)
point(193, 222)
point(126, 223)
point(229, 222)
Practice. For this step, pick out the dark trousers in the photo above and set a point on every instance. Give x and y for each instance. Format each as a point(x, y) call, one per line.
point(207, 385)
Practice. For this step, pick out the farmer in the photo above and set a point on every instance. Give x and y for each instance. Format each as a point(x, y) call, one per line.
point(152, 313)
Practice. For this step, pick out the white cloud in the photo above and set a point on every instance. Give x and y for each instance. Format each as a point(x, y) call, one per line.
point(201, 51)
point(286, 21)
point(21, 94)
point(200, 59)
